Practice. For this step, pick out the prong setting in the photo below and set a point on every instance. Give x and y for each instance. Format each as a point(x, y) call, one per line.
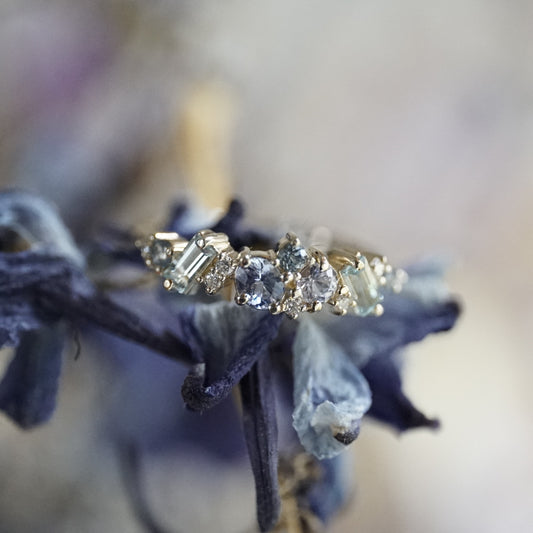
point(244, 258)
point(242, 299)
point(291, 279)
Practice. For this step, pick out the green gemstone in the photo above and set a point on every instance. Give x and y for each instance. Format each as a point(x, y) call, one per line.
point(192, 262)
point(363, 286)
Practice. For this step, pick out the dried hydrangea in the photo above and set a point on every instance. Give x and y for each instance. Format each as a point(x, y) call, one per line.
point(328, 371)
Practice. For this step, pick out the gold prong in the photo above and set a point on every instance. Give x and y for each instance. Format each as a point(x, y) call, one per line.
point(292, 238)
point(287, 277)
point(200, 242)
point(275, 308)
point(273, 258)
point(315, 307)
point(244, 258)
point(165, 236)
point(242, 299)
point(167, 284)
point(340, 312)
point(359, 265)
point(148, 262)
point(378, 310)
point(344, 291)
point(324, 263)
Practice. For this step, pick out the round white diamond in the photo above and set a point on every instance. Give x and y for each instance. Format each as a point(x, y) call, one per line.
point(292, 307)
point(378, 266)
point(344, 303)
point(213, 282)
point(397, 279)
point(225, 266)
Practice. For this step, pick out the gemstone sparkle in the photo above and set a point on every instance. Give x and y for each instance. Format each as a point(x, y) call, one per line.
point(192, 262)
point(292, 307)
point(317, 285)
point(159, 253)
point(260, 282)
point(363, 286)
point(292, 257)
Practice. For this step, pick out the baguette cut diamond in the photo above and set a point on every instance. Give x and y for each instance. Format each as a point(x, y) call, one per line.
point(192, 262)
point(260, 282)
point(363, 286)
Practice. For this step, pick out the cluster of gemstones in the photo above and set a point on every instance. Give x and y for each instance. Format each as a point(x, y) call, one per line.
point(291, 280)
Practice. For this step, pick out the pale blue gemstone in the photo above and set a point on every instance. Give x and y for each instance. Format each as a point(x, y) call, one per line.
point(191, 263)
point(363, 286)
point(261, 282)
point(292, 258)
point(317, 285)
point(157, 252)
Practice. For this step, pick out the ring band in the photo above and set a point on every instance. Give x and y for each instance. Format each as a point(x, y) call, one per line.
point(290, 279)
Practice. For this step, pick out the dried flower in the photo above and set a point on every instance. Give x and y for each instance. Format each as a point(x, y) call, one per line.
point(341, 368)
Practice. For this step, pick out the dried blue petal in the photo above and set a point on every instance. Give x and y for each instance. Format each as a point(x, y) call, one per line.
point(178, 221)
point(146, 406)
point(117, 245)
point(420, 309)
point(389, 403)
point(39, 224)
point(261, 434)
point(77, 300)
point(330, 394)
point(186, 221)
point(16, 317)
point(29, 387)
point(229, 340)
point(21, 275)
point(239, 234)
point(332, 489)
point(45, 283)
point(423, 307)
point(129, 455)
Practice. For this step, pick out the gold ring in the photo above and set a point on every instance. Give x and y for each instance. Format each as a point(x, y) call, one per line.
point(291, 279)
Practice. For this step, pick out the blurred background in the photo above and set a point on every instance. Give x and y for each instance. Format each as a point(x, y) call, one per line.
point(407, 125)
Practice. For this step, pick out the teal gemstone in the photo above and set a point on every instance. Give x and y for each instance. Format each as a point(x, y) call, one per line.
point(159, 253)
point(363, 286)
point(292, 258)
